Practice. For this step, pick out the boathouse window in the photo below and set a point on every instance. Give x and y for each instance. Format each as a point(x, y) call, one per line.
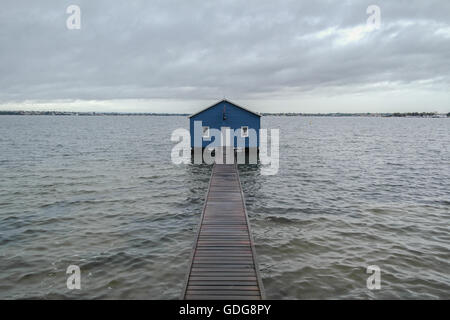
point(244, 132)
point(205, 133)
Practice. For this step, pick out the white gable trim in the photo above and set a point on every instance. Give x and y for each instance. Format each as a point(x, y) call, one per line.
point(224, 100)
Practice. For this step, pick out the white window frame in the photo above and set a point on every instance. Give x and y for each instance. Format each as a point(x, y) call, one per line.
point(207, 136)
point(242, 132)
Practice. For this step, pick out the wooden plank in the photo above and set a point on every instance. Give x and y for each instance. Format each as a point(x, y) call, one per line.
point(201, 258)
point(223, 297)
point(221, 292)
point(224, 247)
point(246, 288)
point(233, 278)
point(223, 255)
point(230, 266)
point(223, 283)
point(230, 237)
point(224, 274)
point(223, 260)
point(221, 269)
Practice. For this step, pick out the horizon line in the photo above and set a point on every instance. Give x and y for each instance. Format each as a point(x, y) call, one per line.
point(57, 112)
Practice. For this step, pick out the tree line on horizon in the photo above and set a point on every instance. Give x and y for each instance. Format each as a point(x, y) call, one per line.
point(338, 114)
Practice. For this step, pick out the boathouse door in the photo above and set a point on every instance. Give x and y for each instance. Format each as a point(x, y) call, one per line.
point(226, 136)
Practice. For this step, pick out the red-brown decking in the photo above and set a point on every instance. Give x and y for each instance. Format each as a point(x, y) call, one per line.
point(223, 262)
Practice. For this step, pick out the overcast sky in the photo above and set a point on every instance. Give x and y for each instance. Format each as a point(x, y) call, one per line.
point(180, 56)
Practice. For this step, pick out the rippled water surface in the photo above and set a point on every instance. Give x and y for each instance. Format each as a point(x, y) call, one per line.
point(103, 194)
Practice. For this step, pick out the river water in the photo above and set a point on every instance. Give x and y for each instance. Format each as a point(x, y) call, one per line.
point(102, 193)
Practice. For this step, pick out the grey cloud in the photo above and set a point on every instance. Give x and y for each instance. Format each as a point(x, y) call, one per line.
point(204, 49)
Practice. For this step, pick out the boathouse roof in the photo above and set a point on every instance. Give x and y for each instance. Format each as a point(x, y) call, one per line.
point(228, 101)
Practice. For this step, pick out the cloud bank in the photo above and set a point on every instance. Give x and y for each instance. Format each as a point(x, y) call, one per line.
point(303, 56)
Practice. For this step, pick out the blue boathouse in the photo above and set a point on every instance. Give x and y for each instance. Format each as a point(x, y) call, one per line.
point(244, 126)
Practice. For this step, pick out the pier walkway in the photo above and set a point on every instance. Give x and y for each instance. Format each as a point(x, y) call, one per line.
point(223, 261)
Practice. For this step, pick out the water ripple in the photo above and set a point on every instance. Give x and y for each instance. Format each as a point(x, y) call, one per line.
point(102, 193)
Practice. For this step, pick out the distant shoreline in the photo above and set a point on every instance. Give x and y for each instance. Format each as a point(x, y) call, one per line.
point(285, 114)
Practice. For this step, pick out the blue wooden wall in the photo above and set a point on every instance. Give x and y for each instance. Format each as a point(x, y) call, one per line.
point(236, 117)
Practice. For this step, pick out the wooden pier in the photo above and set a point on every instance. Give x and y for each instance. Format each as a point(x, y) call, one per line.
point(223, 261)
